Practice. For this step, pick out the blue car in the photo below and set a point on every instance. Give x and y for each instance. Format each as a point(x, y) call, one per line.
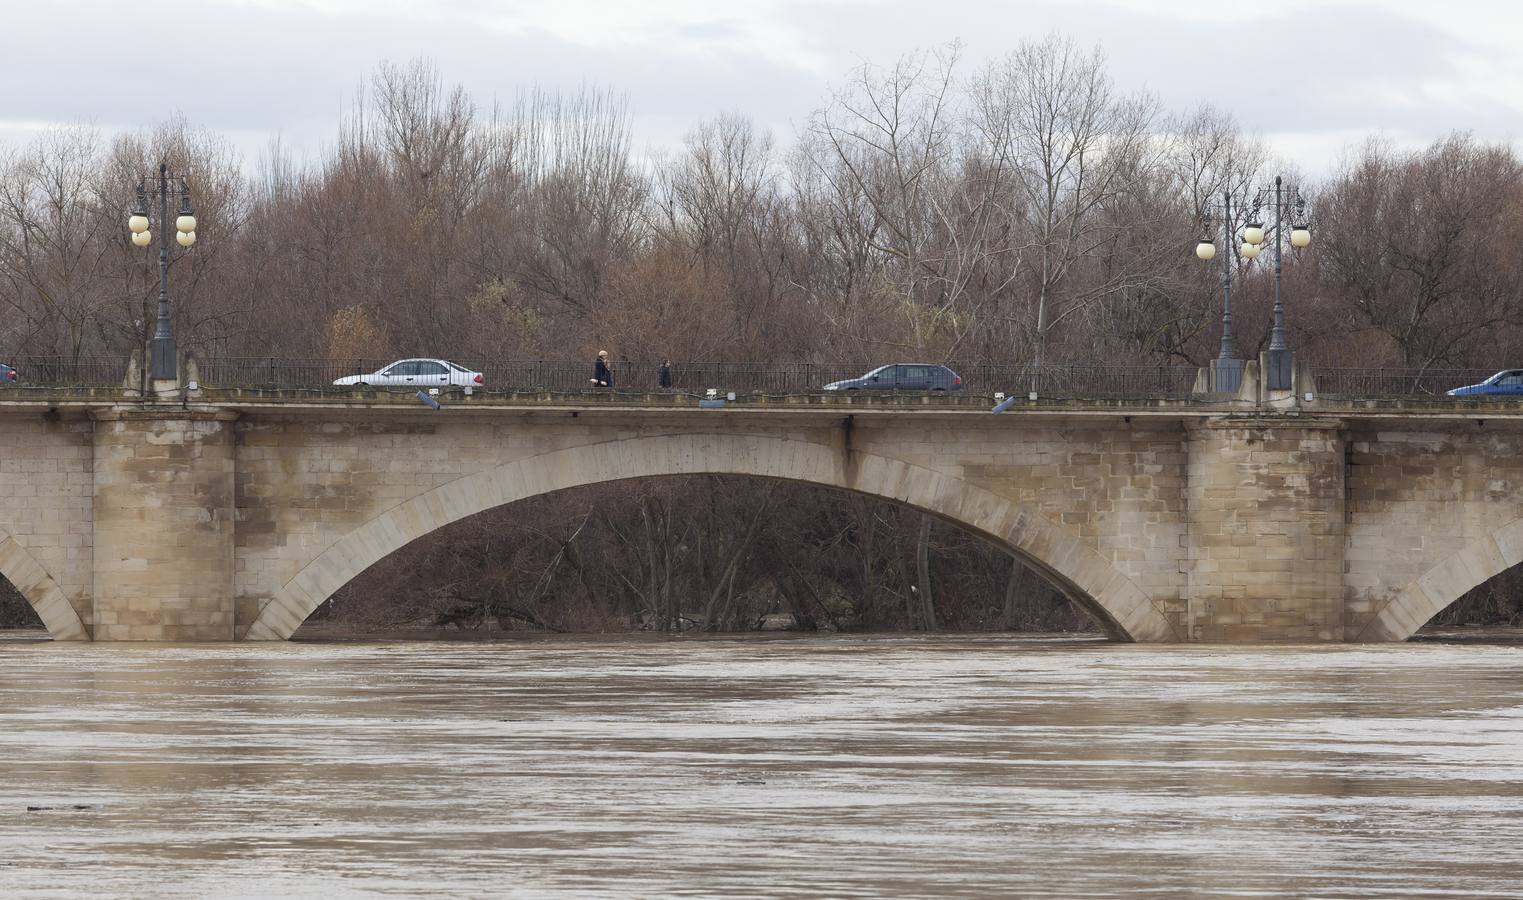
point(902, 377)
point(1508, 382)
point(7, 374)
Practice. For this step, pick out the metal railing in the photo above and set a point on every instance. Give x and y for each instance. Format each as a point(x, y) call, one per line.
point(67, 371)
point(1089, 382)
point(1054, 381)
point(274, 372)
point(1366, 384)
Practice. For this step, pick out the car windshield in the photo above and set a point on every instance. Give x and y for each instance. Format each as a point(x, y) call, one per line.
point(456, 367)
point(878, 371)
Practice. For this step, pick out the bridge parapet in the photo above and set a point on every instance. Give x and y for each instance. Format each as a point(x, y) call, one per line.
point(336, 401)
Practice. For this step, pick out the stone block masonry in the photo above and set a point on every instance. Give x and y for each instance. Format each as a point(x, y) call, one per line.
point(163, 525)
point(187, 522)
point(1265, 537)
point(46, 497)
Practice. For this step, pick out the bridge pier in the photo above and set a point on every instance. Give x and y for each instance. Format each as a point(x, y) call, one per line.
point(1265, 501)
point(163, 524)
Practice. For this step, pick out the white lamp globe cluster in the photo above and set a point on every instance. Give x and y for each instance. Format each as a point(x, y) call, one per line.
point(1253, 238)
point(138, 225)
point(1253, 241)
point(185, 228)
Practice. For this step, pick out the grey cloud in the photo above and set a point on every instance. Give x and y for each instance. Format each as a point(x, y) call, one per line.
point(252, 71)
point(1316, 72)
point(247, 70)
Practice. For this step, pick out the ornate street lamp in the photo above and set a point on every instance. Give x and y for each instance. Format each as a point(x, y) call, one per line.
point(1227, 368)
point(162, 348)
point(1286, 203)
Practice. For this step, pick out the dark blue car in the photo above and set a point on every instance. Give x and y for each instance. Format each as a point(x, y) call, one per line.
point(7, 374)
point(1508, 382)
point(902, 377)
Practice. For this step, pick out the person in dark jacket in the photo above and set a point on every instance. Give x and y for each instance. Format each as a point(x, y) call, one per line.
point(665, 378)
point(602, 375)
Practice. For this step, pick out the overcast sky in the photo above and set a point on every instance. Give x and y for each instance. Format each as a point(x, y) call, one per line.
point(1311, 76)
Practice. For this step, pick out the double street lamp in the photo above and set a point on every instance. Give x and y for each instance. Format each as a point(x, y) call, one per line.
point(1284, 202)
point(169, 186)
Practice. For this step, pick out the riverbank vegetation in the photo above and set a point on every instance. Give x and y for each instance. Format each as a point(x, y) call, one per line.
point(1019, 210)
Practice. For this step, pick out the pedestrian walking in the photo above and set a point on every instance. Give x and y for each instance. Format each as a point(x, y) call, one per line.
point(602, 375)
point(665, 378)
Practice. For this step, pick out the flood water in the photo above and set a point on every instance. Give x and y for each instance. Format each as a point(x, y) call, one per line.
point(838, 766)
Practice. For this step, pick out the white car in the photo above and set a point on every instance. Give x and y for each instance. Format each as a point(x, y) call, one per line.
point(416, 373)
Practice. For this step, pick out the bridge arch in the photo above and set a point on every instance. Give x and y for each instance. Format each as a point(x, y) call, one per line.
point(23, 570)
point(1122, 608)
point(1447, 581)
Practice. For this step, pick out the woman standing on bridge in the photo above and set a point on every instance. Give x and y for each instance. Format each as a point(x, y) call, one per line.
point(602, 375)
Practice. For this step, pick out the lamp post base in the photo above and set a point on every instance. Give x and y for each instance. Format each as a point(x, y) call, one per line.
point(1226, 375)
point(1279, 372)
point(161, 352)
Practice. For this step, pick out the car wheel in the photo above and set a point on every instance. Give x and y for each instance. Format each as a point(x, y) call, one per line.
point(939, 390)
point(361, 384)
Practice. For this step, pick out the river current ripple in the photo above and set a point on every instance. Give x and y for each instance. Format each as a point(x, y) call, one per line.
point(837, 766)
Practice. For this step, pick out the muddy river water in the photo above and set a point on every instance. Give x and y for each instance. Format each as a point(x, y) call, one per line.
point(836, 766)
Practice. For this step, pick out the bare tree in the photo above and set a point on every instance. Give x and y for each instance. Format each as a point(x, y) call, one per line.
point(889, 141)
point(584, 195)
point(1049, 112)
point(1438, 287)
point(55, 250)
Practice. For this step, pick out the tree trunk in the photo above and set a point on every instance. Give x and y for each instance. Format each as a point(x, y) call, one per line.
point(723, 617)
point(653, 595)
point(1010, 616)
point(727, 576)
point(866, 542)
point(923, 573)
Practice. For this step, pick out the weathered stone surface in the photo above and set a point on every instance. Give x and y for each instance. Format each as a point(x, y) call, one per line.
point(299, 540)
point(1266, 539)
point(163, 561)
point(1434, 510)
point(178, 522)
point(46, 495)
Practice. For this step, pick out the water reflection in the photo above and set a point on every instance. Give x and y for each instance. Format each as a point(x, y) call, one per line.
point(840, 766)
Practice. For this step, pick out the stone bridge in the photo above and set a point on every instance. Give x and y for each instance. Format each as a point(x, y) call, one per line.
point(231, 515)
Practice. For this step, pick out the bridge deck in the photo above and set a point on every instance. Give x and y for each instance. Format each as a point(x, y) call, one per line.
point(344, 403)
